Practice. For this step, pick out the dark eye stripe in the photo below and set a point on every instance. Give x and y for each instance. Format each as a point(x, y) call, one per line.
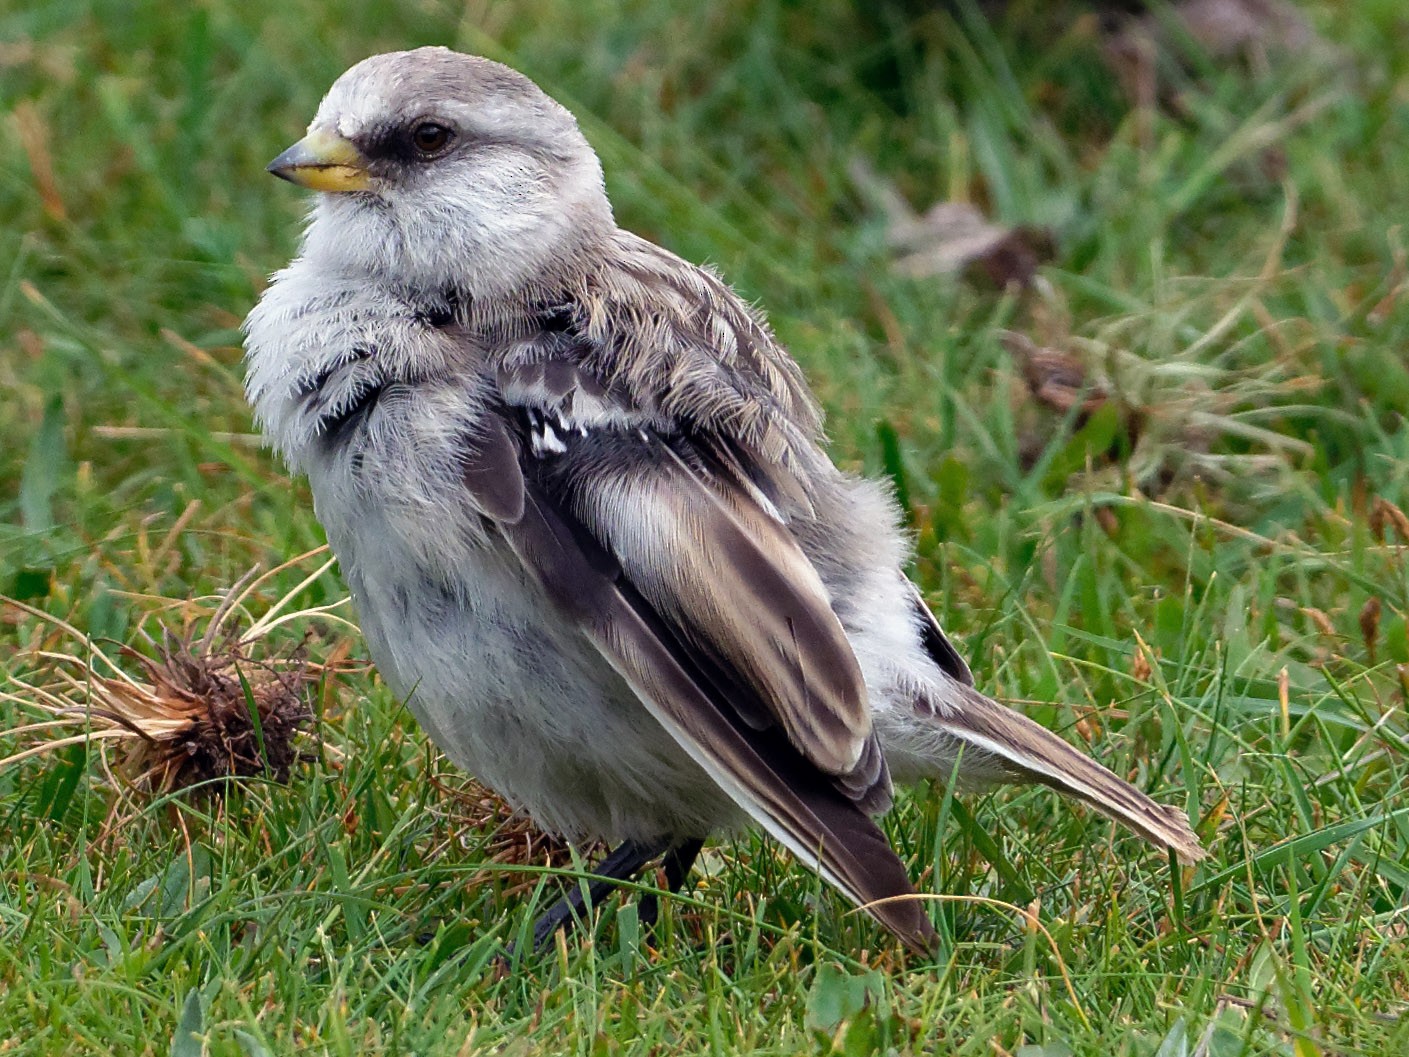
point(397, 142)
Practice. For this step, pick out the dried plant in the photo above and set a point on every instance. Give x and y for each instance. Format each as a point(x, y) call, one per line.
point(1193, 401)
point(1174, 414)
point(470, 812)
point(952, 238)
point(205, 702)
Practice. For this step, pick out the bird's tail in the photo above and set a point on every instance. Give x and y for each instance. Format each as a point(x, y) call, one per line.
point(1013, 744)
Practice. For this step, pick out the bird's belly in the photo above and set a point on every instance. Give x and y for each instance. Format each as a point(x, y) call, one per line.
point(507, 688)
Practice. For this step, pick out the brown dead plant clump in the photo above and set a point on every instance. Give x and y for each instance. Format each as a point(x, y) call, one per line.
point(206, 703)
point(471, 816)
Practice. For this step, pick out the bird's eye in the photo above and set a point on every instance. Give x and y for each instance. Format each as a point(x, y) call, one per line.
point(429, 138)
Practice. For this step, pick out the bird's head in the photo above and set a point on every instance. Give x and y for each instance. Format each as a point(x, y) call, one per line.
point(441, 171)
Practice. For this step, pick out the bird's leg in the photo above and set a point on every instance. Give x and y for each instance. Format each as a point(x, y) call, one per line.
point(621, 864)
point(678, 861)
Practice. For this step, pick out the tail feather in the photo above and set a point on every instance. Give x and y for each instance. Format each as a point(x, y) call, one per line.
point(1030, 751)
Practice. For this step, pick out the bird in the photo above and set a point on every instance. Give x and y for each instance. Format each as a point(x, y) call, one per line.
point(580, 497)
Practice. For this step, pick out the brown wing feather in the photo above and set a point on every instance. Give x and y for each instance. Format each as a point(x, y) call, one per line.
point(760, 770)
point(715, 565)
point(699, 535)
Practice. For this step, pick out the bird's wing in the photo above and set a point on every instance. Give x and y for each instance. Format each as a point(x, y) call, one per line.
point(936, 643)
point(672, 562)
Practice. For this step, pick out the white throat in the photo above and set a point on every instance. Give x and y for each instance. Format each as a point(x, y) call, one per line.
point(490, 241)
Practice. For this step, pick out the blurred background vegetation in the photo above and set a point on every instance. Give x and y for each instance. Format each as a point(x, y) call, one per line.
point(1140, 382)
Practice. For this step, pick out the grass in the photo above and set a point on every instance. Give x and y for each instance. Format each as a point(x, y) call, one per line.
point(1214, 603)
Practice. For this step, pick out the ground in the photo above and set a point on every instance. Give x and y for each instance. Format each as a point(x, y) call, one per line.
point(1157, 489)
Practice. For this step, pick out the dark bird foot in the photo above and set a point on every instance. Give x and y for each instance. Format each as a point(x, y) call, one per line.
point(677, 864)
point(622, 864)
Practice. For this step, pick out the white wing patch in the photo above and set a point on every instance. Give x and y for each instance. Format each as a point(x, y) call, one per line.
point(543, 437)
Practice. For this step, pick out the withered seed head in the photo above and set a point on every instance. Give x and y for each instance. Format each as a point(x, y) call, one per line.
point(196, 708)
point(214, 734)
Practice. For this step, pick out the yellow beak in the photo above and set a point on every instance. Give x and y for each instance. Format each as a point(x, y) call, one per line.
point(323, 161)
